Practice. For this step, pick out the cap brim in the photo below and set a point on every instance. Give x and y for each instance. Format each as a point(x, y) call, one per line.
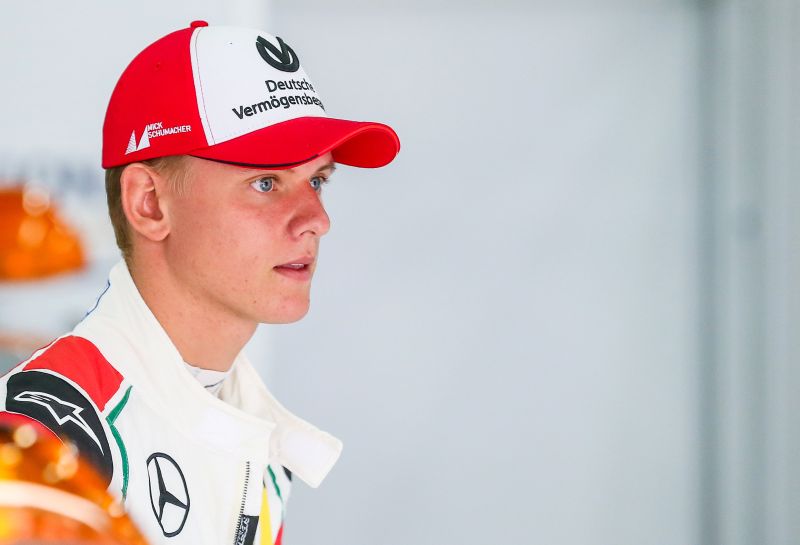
point(299, 140)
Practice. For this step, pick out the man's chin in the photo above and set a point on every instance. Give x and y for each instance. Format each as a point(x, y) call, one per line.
point(287, 314)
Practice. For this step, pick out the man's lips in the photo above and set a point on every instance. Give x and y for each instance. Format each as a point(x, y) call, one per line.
point(298, 269)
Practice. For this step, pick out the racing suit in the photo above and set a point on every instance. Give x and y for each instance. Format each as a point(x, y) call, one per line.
point(190, 467)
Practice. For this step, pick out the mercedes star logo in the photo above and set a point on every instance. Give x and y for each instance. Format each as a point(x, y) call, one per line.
point(284, 59)
point(169, 496)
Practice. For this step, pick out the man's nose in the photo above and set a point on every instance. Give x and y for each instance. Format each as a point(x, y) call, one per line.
point(310, 215)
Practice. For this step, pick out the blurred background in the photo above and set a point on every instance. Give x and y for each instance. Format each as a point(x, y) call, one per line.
point(566, 313)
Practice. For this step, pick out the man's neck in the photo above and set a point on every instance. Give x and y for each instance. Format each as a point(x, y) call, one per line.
point(202, 331)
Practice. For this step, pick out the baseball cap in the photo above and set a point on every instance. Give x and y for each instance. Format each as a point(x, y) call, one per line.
point(235, 95)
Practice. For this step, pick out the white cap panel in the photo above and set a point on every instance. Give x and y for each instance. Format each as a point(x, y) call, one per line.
point(246, 80)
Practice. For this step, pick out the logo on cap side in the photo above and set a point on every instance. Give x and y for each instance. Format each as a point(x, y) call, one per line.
point(153, 130)
point(283, 59)
point(143, 143)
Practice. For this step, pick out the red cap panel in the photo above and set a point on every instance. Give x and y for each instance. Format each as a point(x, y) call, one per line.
point(153, 110)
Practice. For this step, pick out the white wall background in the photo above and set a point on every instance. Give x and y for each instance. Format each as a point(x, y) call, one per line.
point(502, 329)
point(508, 325)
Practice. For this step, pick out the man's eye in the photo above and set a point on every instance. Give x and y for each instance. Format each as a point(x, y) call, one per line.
point(317, 182)
point(263, 185)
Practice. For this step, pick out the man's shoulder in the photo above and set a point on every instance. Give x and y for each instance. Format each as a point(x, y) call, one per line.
point(73, 360)
point(65, 387)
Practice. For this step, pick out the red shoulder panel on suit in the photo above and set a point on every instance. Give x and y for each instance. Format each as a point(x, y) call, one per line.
point(80, 361)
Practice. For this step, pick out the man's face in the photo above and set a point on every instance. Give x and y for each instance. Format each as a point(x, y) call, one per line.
point(245, 241)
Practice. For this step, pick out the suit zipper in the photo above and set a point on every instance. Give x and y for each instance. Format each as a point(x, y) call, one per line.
point(244, 500)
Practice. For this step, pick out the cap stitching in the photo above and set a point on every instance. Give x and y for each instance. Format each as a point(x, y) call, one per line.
point(202, 94)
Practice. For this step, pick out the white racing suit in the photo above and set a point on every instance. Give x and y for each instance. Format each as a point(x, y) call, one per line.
point(189, 467)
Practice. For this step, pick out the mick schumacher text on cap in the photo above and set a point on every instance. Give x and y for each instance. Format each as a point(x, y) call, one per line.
point(235, 95)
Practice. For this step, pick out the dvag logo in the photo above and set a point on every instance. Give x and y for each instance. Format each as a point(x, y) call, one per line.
point(284, 59)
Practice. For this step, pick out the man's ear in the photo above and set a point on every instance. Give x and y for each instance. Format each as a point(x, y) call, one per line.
point(141, 190)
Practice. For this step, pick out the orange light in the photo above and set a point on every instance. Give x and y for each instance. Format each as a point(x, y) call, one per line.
point(48, 494)
point(34, 241)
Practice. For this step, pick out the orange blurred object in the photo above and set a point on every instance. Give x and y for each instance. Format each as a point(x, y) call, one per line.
point(34, 241)
point(49, 495)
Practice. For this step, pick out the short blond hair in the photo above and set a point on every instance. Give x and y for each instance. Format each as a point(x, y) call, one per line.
point(173, 167)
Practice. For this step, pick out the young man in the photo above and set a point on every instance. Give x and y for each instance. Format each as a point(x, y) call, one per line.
point(216, 146)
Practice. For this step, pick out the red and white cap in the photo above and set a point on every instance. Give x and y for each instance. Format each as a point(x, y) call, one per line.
point(235, 95)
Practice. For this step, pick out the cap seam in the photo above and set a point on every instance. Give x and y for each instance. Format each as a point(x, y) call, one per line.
point(200, 83)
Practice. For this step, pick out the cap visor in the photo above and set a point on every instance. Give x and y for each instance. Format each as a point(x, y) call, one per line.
point(297, 141)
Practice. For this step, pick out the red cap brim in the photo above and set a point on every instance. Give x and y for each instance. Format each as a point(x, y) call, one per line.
point(297, 141)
